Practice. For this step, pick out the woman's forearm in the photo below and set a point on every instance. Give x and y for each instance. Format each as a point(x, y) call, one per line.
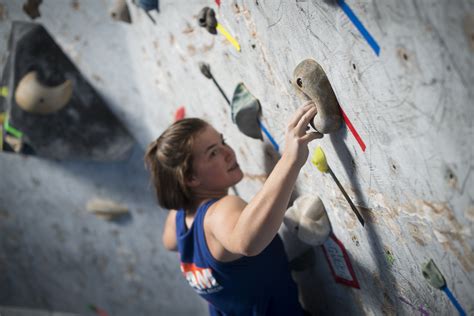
point(262, 217)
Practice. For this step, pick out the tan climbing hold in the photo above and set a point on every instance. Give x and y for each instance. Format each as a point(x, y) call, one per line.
point(312, 84)
point(34, 97)
point(307, 218)
point(120, 12)
point(106, 209)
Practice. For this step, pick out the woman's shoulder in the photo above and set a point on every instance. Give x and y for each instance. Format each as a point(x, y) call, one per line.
point(225, 206)
point(231, 201)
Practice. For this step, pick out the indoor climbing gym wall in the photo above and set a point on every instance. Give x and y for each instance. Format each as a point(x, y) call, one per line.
point(87, 84)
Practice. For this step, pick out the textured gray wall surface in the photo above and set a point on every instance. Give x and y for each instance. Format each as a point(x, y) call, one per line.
point(412, 106)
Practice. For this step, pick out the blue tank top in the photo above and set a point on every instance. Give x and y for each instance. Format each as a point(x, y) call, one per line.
point(257, 285)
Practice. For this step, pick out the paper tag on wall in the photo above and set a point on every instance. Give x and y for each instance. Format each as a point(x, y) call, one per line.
point(339, 262)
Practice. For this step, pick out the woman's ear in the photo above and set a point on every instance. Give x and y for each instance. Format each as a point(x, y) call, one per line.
point(192, 181)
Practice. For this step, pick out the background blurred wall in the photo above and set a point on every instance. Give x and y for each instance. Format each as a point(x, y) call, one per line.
point(411, 104)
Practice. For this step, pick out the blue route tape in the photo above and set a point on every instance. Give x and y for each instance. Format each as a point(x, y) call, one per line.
point(267, 133)
point(453, 300)
point(359, 26)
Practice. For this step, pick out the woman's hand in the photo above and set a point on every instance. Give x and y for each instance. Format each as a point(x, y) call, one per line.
point(297, 137)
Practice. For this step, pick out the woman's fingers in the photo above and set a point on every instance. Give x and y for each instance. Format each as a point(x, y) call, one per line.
point(305, 119)
point(299, 113)
point(311, 136)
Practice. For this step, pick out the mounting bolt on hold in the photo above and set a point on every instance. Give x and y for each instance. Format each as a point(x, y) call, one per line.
point(312, 84)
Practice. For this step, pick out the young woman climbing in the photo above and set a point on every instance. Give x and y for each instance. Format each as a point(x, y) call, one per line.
point(230, 251)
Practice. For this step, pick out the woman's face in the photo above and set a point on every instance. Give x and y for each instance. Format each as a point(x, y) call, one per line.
point(215, 167)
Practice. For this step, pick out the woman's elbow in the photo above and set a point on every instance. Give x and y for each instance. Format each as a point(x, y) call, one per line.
point(169, 244)
point(249, 250)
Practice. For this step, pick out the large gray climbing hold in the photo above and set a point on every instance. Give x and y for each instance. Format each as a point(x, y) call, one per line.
point(245, 112)
point(313, 85)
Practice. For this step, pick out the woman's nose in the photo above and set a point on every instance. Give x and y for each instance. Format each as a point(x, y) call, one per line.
point(229, 153)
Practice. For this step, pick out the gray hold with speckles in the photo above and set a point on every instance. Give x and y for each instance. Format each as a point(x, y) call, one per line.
point(312, 84)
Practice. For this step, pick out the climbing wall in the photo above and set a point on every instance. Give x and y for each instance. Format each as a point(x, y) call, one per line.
point(402, 72)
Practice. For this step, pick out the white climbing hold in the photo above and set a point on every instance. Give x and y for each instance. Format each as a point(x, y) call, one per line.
point(106, 209)
point(307, 218)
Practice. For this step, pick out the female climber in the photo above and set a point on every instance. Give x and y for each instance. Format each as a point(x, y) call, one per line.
point(230, 251)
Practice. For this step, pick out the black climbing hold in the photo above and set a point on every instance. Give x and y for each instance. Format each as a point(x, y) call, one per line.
point(205, 70)
point(207, 19)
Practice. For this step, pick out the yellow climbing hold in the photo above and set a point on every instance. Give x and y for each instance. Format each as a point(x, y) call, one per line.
point(319, 160)
point(4, 91)
point(229, 37)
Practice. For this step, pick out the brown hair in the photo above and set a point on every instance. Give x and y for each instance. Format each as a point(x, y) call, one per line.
point(169, 160)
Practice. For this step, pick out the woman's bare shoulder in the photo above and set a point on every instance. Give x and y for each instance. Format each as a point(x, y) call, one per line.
point(229, 205)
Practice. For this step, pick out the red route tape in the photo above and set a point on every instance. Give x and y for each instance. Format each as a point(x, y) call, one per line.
point(180, 113)
point(353, 130)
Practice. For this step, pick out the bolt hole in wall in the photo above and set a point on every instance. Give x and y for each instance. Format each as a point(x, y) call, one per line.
point(299, 82)
point(354, 66)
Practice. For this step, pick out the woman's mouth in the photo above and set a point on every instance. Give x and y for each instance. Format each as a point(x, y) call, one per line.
point(235, 166)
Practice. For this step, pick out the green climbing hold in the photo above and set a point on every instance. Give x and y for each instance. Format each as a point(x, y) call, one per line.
point(245, 112)
point(433, 275)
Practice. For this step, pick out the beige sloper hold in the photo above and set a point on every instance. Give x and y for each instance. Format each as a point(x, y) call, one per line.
point(34, 97)
point(106, 209)
point(307, 219)
point(312, 84)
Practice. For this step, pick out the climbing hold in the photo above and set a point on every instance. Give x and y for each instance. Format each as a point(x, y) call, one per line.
point(245, 112)
point(149, 5)
point(4, 91)
point(435, 278)
point(34, 97)
point(31, 7)
point(180, 113)
point(207, 19)
point(312, 84)
point(106, 209)
point(319, 160)
point(432, 274)
point(205, 70)
point(307, 218)
point(120, 12)
point(42, 79)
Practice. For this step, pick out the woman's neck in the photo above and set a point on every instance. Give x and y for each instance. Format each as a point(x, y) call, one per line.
point(201, 197)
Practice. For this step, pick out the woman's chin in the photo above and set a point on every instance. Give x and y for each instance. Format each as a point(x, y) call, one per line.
point(238, 177)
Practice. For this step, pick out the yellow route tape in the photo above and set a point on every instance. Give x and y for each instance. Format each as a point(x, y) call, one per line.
point(229, 37)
